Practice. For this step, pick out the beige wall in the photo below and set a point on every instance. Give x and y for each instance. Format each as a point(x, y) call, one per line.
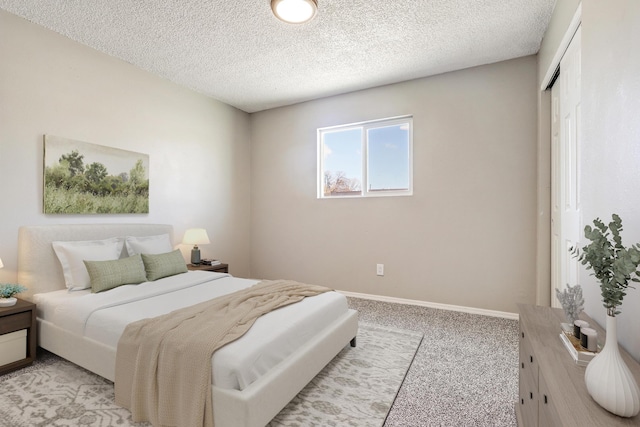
point(199, 148)
point(610, 154)
point(610, 158)
point(467, 235)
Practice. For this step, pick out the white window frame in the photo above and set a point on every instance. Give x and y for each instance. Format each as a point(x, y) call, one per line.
point(365, 126)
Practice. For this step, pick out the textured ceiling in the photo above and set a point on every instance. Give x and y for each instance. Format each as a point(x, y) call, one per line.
point(239, 53)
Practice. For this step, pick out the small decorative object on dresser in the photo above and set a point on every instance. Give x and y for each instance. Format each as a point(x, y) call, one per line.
point(609, 380)
point(571, 301)
point(572, 304)
point(7, 292)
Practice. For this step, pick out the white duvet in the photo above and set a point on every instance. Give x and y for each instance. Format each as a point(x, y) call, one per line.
point(103, 317)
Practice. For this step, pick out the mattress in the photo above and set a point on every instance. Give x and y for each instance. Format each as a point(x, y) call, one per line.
point(103, 317)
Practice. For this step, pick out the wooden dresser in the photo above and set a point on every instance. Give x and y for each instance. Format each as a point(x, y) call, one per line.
point(552, 391)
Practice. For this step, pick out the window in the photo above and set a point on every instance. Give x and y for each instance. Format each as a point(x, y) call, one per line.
point(366, 159)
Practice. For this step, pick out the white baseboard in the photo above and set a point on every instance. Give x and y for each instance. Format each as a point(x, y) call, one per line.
point(460, 308)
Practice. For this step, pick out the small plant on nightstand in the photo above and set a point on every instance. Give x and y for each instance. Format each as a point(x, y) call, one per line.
point(7, 292)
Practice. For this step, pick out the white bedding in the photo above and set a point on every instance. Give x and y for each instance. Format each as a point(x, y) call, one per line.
point(103, 316)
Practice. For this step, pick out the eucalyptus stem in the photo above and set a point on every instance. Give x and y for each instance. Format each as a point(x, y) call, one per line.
point(613, 264)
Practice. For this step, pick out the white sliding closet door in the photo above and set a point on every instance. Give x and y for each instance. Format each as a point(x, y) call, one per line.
point(556, 203)
point(565, 174)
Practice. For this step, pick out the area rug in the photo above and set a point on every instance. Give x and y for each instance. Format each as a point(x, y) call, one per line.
point(356, 389)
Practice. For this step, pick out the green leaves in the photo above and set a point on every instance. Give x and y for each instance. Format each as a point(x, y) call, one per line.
point(612, 264)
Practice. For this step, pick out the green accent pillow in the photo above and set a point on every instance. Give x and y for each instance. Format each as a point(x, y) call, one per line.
point(163, 265)
point(107, 275)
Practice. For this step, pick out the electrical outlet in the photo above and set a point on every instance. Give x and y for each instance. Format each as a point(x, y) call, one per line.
point(380, 269)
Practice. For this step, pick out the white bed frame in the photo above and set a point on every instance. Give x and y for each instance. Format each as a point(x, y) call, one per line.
point(40, 271)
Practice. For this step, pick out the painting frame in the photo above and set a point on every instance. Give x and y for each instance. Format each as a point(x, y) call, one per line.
point(84, 178)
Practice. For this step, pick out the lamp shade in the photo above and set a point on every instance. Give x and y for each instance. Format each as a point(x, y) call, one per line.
point(1, 264)
point(195, 236)
point(294, 11)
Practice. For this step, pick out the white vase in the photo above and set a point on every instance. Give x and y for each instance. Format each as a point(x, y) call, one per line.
point(609, 380)
point(8, 302)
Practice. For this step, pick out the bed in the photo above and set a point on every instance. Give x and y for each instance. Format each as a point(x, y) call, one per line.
point(253, 378)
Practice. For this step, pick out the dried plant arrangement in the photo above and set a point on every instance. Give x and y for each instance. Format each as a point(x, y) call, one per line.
point(571, 301)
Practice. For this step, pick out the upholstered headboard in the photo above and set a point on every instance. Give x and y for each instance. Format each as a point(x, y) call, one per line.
point(38, 267)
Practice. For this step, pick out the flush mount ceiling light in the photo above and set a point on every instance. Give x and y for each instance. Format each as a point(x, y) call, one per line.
point(294, 11)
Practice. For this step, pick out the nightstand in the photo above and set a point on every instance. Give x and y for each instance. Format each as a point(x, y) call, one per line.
point(218, 268)
point(18, 320)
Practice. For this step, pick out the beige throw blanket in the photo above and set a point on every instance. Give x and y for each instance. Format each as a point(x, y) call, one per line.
point(163, 364)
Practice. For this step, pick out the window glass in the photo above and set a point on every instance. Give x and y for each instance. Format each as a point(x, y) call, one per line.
point(366, 159)
point(388, 158)
point(342, 152)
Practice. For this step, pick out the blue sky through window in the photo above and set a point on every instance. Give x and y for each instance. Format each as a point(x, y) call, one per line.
point(343, 152)
point(388, 149)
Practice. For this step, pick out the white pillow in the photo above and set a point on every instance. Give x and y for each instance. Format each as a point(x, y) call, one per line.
point(150, 245)
point(73, 254)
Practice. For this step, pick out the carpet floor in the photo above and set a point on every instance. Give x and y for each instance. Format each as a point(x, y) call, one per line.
point(465, 372)
point(356, 389)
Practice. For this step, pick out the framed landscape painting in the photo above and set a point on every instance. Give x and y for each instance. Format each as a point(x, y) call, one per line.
point(85, 178)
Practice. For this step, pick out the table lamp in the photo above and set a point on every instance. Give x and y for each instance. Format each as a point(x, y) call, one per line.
point(195, 237)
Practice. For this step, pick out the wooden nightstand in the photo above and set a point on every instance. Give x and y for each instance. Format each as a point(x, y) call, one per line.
point(218, 268)
point(21, 316)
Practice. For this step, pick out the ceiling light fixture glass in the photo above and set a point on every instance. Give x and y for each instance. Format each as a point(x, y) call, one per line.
point(294, 11)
